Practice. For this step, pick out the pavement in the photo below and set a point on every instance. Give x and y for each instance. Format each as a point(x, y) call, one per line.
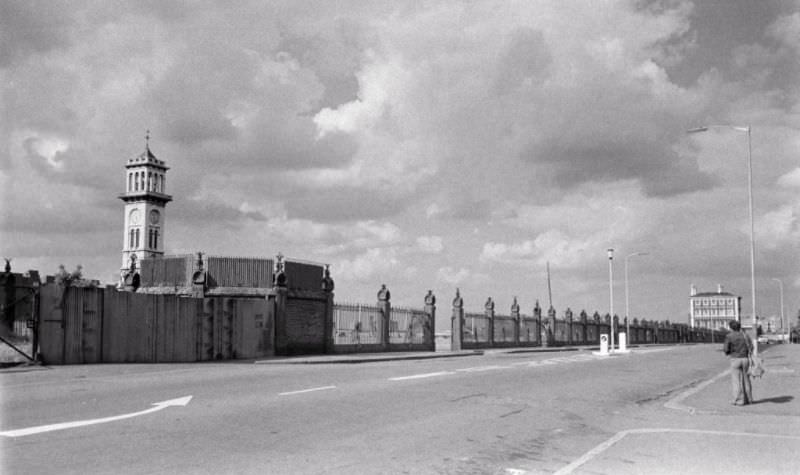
point(697, 431)
point(775, 394)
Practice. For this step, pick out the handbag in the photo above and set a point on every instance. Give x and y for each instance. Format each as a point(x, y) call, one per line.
point(756, 369)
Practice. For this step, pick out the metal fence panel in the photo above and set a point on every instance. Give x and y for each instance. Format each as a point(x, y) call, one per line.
point(560, 331)
point(529, 330)
point(356, 324)
point(504, 329)
point(476, 328)
point(408, 326)
point(51, 329)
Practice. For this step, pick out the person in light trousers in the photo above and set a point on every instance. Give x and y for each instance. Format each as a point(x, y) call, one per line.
point(738, 346)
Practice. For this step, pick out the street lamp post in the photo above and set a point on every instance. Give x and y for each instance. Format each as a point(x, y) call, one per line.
point(611, 293)
point(753, 333)
point(627, 298)
point(780, 282)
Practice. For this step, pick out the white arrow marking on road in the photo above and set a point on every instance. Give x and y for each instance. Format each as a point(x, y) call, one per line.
point(157, 406)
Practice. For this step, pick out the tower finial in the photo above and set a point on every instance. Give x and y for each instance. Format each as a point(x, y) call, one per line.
point(147, 140)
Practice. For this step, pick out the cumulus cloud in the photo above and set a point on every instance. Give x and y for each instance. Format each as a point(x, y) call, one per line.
point(451, 276)
point(525, 133)
point(430, 244)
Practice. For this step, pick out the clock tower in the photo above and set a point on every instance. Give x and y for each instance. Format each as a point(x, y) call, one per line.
point(145, 198)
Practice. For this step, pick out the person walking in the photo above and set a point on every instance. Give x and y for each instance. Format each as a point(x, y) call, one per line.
point(737, 346)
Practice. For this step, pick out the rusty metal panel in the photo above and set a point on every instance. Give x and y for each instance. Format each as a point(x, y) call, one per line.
point(73, 326)
point(115, 314)
point(239, 272)
point(166, 271)
point(51, 330)
point(253, 334)
point(205, 331)
point(188, 311)
point(301, 275)
point(91, 325)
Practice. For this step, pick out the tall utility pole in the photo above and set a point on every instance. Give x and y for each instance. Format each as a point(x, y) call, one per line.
point(611, 292)
point(780, 282)
point(754, 330)
point(549, 291)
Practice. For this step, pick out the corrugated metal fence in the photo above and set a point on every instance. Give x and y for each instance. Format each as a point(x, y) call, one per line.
point(92, 325)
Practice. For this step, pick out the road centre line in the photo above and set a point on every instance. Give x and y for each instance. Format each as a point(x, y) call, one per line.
point(477, 369)
point(420, 376)
point(321, 388)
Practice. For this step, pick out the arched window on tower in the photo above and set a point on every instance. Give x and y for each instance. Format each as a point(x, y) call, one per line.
point(136, 235)
point(130, 182)
point(149, 238)
point(155, 181)
point(130, 239)
point(149, 181)
point(163, 183)
point(155, 239)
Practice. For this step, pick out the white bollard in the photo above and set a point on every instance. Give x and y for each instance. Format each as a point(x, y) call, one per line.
point(622, 338)
point(603, 345)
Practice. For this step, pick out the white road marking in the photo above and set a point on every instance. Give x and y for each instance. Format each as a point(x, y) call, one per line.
point(321, 388)
point(677, 401)
point(419, 376)
point(621, 435)
point(477, 369)
point(70, 425)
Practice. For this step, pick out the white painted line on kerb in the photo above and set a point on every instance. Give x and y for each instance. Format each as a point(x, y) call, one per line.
point(677, 401)
point(322, 388)
point(420, 376)
point(588, 456)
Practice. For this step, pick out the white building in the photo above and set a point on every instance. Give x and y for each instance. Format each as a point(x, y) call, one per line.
point(713, 309)
point(145, 199)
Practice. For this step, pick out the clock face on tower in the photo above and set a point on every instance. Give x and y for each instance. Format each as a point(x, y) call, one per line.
point(155, 216)
point(135, 216)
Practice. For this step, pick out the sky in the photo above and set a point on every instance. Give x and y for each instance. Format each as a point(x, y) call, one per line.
point(435, 145)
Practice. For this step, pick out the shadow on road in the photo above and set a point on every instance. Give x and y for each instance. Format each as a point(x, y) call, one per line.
point(777, 400)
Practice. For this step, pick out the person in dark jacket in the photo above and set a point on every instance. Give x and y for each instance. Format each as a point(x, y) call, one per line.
point(738, 346)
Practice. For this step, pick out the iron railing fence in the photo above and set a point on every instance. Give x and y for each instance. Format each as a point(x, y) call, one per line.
point(504, 329)
point(476, 328)
point(408, 325)
point(357, 324)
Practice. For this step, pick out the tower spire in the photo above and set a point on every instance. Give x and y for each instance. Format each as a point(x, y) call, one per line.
point(147, 140)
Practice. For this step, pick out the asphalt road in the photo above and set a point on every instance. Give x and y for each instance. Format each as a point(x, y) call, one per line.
point(655, 410)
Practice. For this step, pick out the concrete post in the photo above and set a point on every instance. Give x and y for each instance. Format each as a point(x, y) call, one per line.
point(537, 315)
point(489, 311)
point(517, 321)
point(327, 287)
point(568, 317)
point(385, 306)
point(278, 295)
point(584, 319)
point(198, 277)
point(430, 325)
point(457, 322)
point(550, 327)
